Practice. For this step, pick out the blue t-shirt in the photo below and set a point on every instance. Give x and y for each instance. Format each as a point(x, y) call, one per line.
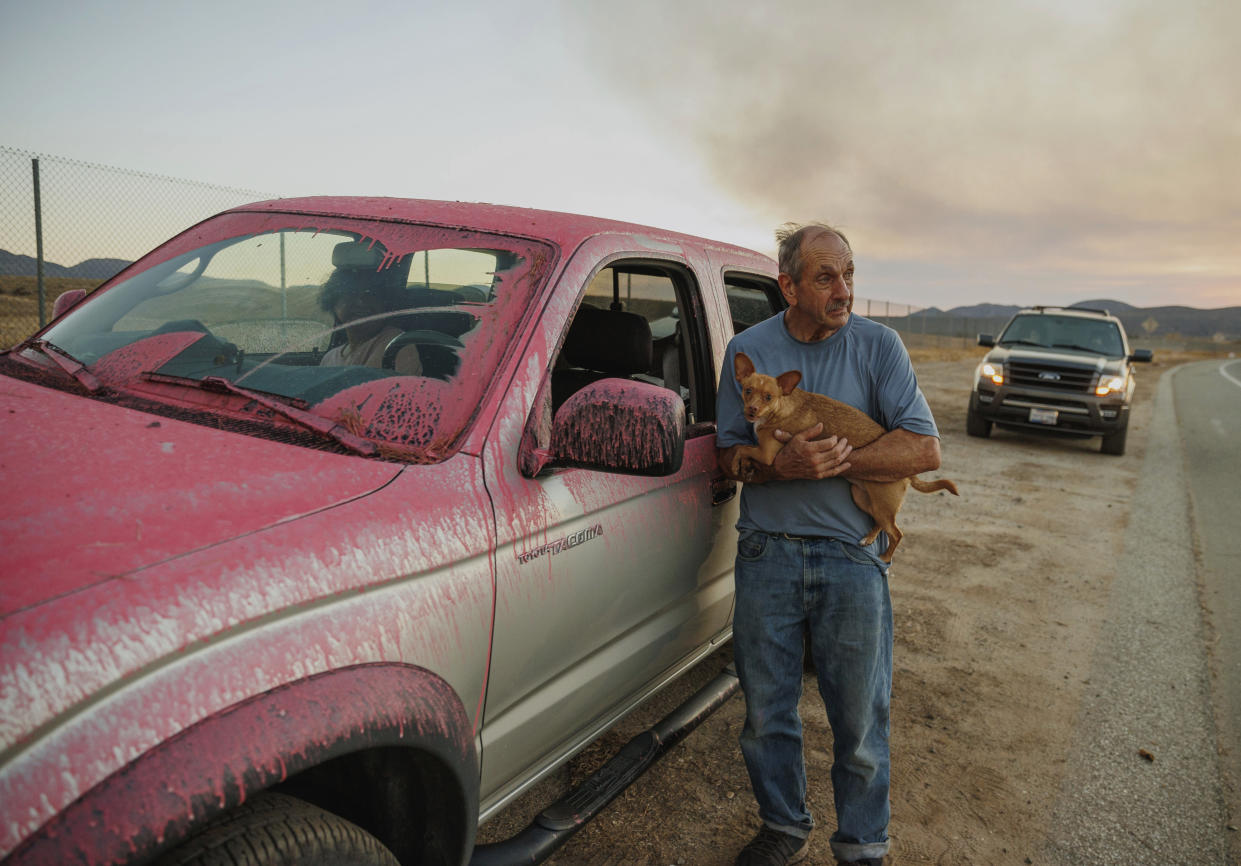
point(863, 364)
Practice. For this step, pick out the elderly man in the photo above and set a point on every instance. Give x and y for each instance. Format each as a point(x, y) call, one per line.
point(800, 571)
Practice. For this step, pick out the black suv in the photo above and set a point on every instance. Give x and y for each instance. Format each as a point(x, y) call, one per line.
point(1061, 370)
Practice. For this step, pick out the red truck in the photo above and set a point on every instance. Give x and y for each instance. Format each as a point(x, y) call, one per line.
point(333, 524)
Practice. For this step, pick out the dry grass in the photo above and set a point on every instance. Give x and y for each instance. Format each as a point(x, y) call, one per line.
point(19, 303)
point(28, 287)
point(1172, 357)
point(945, 353)
point(1163, 357)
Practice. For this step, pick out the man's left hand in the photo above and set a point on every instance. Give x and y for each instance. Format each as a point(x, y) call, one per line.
point(805, 457)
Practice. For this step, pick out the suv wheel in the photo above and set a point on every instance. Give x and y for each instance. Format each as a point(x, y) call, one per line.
point(976, 425)
point(278, 830)
point(1115, 443)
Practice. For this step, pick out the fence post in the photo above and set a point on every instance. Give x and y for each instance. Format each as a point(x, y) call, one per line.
point(38, 240)
point(284, 287)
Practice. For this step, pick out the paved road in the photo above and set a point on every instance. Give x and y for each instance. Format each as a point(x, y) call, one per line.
point(1208, 404)
point(1146, 784)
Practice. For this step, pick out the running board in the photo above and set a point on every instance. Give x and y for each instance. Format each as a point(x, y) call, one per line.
point(571, 812)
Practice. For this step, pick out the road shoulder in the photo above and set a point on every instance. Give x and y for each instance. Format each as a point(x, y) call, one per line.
point(1143, 782)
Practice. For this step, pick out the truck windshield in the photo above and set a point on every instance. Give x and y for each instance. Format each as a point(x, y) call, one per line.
point(391, 329)
point(1097, 336)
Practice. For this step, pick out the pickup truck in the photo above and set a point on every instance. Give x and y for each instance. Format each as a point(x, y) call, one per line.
point(334, 524)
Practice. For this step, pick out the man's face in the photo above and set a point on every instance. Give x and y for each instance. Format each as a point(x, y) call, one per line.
point(821, 297)
point(357, 304)
point(354, 311)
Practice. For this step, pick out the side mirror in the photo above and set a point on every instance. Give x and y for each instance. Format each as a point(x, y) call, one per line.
point(619, 425)
point(986, 340)
point(65, 301)
point(1142, 355)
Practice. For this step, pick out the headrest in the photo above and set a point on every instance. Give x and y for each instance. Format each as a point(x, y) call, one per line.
point(610, 341)
point(358, 254)
point(370, 263)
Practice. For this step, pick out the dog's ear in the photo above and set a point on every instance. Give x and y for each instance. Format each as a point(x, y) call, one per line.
point(788, 381)
point(743, 366)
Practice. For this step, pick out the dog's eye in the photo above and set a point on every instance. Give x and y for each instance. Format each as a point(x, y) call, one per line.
point(767, 397)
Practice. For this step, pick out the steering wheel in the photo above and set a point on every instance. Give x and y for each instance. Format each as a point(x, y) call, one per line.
point(437, 352)
point(398, 343)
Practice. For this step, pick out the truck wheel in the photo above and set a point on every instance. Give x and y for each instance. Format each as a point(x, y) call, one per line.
point(976, 425)
point(278, 830)
point(1115, 443)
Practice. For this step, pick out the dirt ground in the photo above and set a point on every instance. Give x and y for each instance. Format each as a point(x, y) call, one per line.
point(998, 596)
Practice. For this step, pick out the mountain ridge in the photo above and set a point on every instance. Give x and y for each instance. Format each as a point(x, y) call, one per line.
point(16, 265)
point(1138, 321)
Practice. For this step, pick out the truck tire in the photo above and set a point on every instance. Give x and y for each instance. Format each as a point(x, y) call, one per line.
point(976, 425)
point(278, 830)
point(1115, 443)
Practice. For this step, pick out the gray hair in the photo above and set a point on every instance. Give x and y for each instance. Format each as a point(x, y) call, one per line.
point(790, 237)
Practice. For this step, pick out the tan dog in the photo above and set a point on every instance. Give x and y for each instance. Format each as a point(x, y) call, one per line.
point(775, 402)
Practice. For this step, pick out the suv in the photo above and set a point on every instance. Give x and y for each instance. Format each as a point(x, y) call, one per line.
point(334, 524)
point(1057, 370)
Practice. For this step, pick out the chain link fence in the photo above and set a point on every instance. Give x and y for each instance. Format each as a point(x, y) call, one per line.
point(66, 224)
point(928, 327)
point(79, 223)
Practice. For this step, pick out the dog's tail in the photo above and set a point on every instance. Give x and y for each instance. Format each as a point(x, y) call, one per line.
point(931, 486)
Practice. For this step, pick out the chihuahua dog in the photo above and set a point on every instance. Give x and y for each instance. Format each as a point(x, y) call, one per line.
point(775, 402)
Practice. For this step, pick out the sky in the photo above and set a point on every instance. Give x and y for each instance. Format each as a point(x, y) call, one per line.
point(1009, 152)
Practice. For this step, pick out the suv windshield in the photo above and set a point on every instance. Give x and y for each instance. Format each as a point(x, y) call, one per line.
point(1075, 333)
point(390, 330)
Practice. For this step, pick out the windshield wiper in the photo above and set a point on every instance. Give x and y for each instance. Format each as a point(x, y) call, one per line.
point(1091, 349)
point(309, 420)
point(1022, 343)
point(69, 364)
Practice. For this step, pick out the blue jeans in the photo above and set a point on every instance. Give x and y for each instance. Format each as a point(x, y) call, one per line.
point(838, 595)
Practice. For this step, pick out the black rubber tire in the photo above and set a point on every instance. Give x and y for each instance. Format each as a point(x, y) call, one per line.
point(278, 830)
point(976, 425)
point(1115, 443)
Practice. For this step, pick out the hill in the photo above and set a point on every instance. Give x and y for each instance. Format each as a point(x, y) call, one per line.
point(13, 264)
point(1138, 321)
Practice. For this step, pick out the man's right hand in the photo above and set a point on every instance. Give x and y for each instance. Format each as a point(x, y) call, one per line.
point(804, 457)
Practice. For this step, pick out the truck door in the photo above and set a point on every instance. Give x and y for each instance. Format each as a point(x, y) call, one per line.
point(607, 585)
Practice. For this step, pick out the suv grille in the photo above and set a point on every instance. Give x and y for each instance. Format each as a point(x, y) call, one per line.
point(1051, 376)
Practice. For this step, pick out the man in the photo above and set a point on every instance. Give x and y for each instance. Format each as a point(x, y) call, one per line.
point(359, 299)
point(800, 572)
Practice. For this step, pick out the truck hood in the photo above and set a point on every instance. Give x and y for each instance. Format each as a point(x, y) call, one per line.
point(94, 491)
point(1081, 360)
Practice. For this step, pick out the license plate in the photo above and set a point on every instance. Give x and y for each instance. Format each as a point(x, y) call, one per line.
point(1044, 416)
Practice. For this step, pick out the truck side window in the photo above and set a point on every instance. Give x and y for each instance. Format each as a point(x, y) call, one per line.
point(642, 321)
point(751, 299)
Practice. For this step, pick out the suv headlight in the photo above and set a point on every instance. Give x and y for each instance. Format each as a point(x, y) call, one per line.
point(1109, 384)
point(992, 371)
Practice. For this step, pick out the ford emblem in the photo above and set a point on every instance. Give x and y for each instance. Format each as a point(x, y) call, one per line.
point(1050, 377)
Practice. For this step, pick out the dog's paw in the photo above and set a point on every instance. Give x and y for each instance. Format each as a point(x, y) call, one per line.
point(738, 460)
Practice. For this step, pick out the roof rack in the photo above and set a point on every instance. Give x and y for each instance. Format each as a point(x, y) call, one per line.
point(1041, 308)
